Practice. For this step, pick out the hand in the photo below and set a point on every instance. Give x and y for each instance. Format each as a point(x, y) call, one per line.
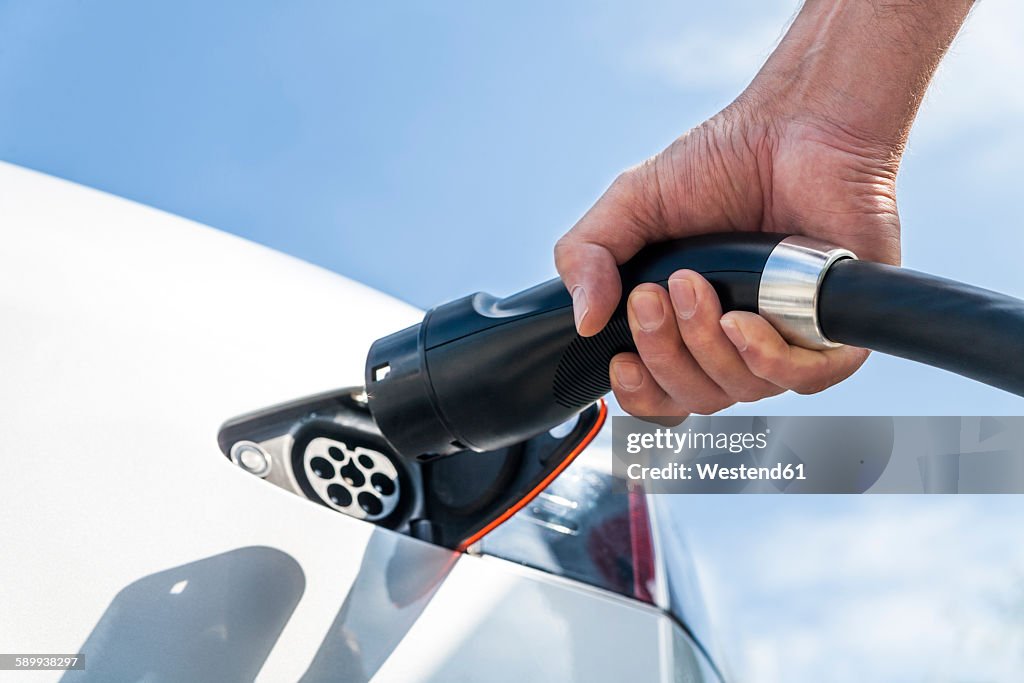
point(812, 147)
point(752, 167)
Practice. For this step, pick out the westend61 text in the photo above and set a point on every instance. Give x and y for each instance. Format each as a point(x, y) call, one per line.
point(714, 471)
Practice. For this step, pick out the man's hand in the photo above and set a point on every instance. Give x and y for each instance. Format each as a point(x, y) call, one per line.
point(812, 148)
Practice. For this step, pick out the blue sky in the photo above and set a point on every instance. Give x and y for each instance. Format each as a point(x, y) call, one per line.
point(433, 149)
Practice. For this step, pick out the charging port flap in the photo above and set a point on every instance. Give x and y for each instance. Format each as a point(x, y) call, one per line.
point(327, 449)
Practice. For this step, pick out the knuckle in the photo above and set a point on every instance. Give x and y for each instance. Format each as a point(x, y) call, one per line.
point(748, 394)
point(709, 406)
point(640, 404)
point(625, 177)
point(702, 342)
point(673, 419)
point(564, 248)
point(660, 358)
point(627, 401)
point(766, 365)
point(816, 379)
point(627, 187)
point(813, 385)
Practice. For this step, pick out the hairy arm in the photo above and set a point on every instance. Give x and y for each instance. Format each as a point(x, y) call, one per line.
point(863, 65)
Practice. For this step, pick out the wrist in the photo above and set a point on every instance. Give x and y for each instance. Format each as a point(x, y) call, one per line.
point(858, 67)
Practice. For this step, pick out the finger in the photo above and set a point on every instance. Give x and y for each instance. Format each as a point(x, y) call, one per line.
point(587, 257)
point(698, 312)
point(638, 393)
point(661, 348)
point(591, 275)
point(768, 356)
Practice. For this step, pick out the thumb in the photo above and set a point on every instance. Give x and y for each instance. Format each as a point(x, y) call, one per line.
point(587, 257)
point(590, 273)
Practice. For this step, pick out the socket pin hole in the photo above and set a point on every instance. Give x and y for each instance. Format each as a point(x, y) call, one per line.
point(339, 495)
point(384, 485)
point(370, 503)
point(322, 468)
point(352, 474)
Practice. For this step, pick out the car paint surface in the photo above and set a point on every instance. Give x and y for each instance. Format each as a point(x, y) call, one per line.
point(129, 335)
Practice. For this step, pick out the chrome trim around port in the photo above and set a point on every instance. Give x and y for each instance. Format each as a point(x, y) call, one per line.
point(788, 293)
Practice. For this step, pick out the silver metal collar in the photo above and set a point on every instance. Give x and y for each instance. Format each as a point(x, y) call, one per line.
point(788, 294)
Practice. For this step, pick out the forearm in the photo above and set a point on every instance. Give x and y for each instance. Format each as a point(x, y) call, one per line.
point(861, 65)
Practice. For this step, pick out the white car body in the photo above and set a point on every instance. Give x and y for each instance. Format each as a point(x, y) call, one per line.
point(129, 336)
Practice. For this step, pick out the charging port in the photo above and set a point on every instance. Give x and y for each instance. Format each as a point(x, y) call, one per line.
point(327, 449)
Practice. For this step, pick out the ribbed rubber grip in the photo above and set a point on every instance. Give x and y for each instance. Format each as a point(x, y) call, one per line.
point(582, 375)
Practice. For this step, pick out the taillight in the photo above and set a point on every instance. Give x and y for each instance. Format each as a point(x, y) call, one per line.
point(585, 526)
